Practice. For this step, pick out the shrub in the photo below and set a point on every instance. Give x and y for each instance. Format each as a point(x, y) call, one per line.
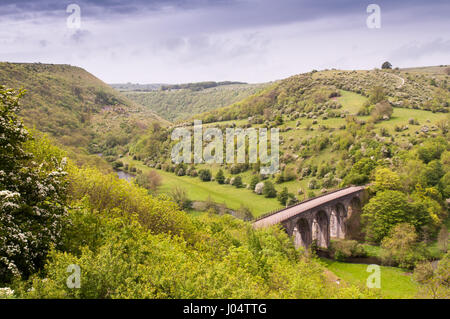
point(108, 193)
point(431, 150)
point(237, 182)
point(220, 178)
point(313, 184)
point(377, 94)
point(385, 179)
point(117, 164)
point(341, 249)
point(205, 175)
point(128, 261)
point(254, 182)
point(443, 239)
point(435, 283)
point(382, 110)
point(150, 180)
point(32, 194)
point(311, 194)
point(289, 174)
point(193, 173)
point(235, 169)
point(244, 213)
point(402, 248)
point(269, 190)
point(283, 196)
point(259, 188)
point(279, 178)
point(180, 197)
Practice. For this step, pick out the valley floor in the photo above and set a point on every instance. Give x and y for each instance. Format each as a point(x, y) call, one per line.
point(395, 282)
point(197, 190)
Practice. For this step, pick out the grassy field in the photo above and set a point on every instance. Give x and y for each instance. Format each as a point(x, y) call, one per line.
point(395, 282)
point(351, 102)
point(197, 190)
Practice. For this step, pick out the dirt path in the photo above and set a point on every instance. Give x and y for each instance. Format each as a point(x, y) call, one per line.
point(401, 79)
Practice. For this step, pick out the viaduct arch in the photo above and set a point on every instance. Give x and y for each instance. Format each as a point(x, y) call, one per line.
point(332, 215)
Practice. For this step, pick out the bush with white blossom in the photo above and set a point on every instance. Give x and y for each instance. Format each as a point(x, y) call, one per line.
point(32, 195)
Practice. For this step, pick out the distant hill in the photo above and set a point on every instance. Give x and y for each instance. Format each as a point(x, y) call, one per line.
point(415, 88)
point(196, 86)
point(181, 101)
point(75, 107)
point(136, 86)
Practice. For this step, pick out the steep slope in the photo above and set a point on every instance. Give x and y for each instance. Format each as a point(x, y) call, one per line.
point(75, 107)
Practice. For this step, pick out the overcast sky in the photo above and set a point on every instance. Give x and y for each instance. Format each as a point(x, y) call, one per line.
point(242, 40)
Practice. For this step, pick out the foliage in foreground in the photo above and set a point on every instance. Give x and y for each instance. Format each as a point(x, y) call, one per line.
point(127, 243)
point(122, 256)
point(32, 193)
point(435, 280)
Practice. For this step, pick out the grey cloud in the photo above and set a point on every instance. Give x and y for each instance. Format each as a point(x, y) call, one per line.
point(249, 40)
point(417, 50)
point(79, 35)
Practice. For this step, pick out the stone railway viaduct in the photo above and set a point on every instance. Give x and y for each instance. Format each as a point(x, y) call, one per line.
point(332, 215)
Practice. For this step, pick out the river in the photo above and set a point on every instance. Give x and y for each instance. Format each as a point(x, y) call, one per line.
point(125, 175)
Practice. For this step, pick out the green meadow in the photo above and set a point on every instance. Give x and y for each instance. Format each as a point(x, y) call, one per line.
point(395, 282)
point(197, 190)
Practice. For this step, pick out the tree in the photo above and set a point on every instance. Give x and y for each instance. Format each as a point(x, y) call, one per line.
point(382, 110)
point(389, 208)
point(220, 178)
point(205, 175)
point(269, 190)
point(401, 247)
point(283, 196)
point(180, 197)
point(259, 188)
point(244, 213)
point(254, 181)
point(386, 65)
point(377, 95)
point(435, 283)
point(237, 182)
point(279, 178)
point(431, 150)
point(385, 179)
point(443, 239)
point(445, 185)
point(32, 194)
point(150, 180)
point(432, 173)
point(279, 120)
point(443, 125)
